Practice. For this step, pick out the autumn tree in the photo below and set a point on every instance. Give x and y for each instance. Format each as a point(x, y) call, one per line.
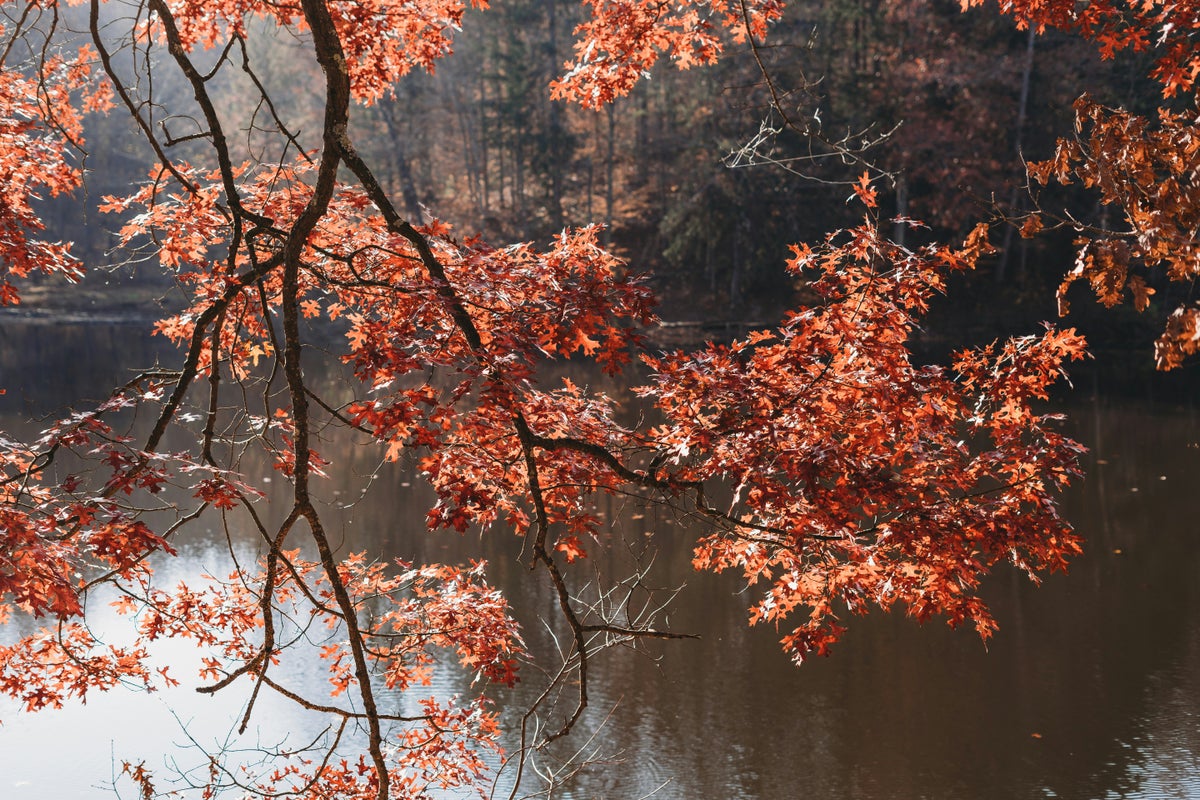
point(1146, 169)
point(834, 471)
point(1140, 167)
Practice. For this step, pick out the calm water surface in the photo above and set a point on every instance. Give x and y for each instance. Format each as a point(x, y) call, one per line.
point(1091, 689)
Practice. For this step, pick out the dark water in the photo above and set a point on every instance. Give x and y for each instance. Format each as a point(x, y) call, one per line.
point(1091, 689)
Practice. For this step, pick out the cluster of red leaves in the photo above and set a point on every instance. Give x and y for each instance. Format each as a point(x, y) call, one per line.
point(436, 607)
point(414, 613)
point(525, 304)
point(188, 222)
point(55, 540)
point(445, 753)
point(44, 669)
point(38, 124)
point(1168, 28)
point(481, 478)
point(622, 39)
point(1143, 166)
point(862, 479)
point(57, 534)
point(1148, 172)
point(383, 39)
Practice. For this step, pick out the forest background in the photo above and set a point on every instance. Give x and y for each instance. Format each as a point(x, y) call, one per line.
point(698, 179)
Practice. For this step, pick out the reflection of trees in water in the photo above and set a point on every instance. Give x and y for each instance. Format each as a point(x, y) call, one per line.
point(1088, 690)
point(1102, 665)
point(1172, 731)
point(48, 367)
point(1091, 649)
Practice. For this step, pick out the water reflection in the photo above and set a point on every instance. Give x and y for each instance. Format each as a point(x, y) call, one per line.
point(1091, 689)
point(46, 368)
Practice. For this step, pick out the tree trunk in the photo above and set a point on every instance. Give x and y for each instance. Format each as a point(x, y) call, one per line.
point(1015, 195)
point(610, 167)
point(404, 176)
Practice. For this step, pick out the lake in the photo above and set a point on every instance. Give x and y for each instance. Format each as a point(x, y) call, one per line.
point(1091, 688)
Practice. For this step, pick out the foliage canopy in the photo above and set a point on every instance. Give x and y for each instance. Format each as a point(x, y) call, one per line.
point(854, 476)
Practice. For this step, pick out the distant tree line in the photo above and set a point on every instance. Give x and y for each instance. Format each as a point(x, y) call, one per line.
point(699, 180)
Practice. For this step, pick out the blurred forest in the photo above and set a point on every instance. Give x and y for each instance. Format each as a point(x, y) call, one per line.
point(700, 182)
